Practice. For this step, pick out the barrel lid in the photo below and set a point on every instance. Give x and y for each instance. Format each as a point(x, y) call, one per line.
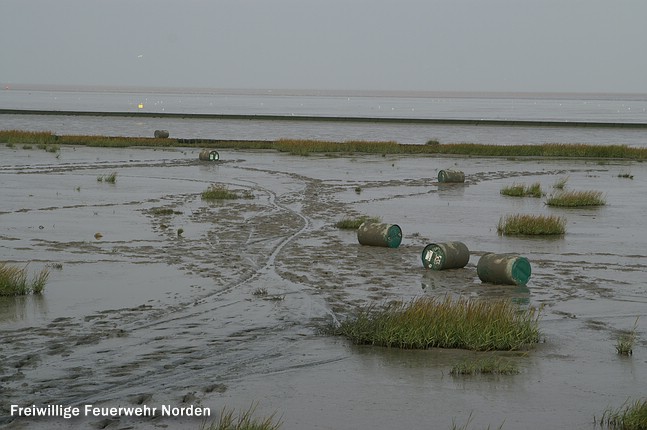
point(433, 257)
point(394, 236)
point(521, 270)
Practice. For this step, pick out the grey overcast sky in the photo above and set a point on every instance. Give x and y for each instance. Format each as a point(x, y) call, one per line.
point(428, 45)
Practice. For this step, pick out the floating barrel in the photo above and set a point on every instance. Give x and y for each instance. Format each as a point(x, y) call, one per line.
point(378, 234)
point(451, 176)
point(503, 269)
point(161, 134)
point(209, 155)
point(448, 255)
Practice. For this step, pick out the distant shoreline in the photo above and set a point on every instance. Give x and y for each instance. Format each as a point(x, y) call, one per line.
point(475, 122)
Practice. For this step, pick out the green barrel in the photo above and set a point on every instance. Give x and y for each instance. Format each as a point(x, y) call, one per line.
point(378, 234)
point(503, 269)
point(451, 176)
point(448, 255)
point(207, 155)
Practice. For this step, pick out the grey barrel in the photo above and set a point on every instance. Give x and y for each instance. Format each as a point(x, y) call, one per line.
point(448, 255)
point(161, 134)
point(503, 269)
point(379, 234)
point(209, 155)
point(451, 176)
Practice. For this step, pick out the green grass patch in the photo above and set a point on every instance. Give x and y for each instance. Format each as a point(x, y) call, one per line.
point(306, 147)
point(522, 190)
point(111, 178)
point(164, 211)
point(560, 183)
point(354, 223)
point(535, 225)
point(574, 199)
point(244, 420)
point(630, 416)
point(428, 322)
point(485, 366)
point(14, 282)
point(625, 343)
point(53, 148)
point(219, 192)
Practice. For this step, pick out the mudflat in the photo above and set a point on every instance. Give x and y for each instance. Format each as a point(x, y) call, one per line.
point(196, 305)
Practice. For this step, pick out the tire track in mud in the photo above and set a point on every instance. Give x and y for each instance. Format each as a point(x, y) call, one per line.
point(128, 374)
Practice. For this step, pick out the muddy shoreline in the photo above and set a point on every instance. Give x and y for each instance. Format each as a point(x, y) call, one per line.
point(147, 316)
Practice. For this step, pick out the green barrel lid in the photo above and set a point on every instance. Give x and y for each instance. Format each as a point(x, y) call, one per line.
point(393, 236)
point(433, 257)
point(521, 270)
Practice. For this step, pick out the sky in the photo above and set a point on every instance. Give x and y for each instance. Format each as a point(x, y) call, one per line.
point(388, 45)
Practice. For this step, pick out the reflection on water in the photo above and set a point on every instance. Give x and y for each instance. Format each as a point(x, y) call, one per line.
point(449, 191)
point(464, 282)
point(21, 308)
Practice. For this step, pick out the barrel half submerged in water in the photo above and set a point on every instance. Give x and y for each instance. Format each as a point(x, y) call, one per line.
point(207, 155)
point(379, 234)
point(451, 176)
point(449, 255)
point(503, 269)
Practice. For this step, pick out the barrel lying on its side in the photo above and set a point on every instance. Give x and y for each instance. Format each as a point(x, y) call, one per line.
point(161, 134)
point(503, 269)
point(448, 255)
point(379, 234)
point(451, 176)
point(209, 155)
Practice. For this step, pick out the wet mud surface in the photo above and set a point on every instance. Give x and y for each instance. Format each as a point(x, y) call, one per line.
point(227, 313)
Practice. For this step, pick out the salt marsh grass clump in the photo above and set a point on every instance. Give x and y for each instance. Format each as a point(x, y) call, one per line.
point(573, 199)
point(111, 178)
point(485, 366)
point(560, 183)
point(429, 322)
point(244, 420)
point(219, 192)
point(522, 190)
point(625, 343)
point(354, 223)
point(13, 281)
point(630, 416)
point(535, 225)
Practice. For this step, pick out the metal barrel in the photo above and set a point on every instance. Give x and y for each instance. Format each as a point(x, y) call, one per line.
point(448, 255)
point(503, 269)
point(379, 234)
point(451, 176)
point(161, 134)
point(209, 155)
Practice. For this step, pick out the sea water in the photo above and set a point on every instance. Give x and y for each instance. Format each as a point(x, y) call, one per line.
point(349, 106)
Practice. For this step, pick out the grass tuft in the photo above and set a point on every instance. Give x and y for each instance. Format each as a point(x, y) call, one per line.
point(230, 420)
point(522, 190)
point(485, 366)
point(13, 281)
point(630, 416)
point(219, 192)
point(574, 199)
point(536, 225)
point(625, 343)
point(560, 183)
point(111, 178)
point(428, 322)
point(354, 223)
